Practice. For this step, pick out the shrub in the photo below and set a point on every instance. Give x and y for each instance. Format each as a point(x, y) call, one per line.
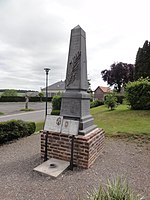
point(120, 98)
point(138, 94)
point(114, 190)
point(15, 129)
point(55, 112)
point(56, 102)
point(110, 101)
point(96, 103)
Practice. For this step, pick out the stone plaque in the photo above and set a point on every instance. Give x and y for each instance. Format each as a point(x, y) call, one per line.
point(70, 127)
point(53, 123)
point(71, 107)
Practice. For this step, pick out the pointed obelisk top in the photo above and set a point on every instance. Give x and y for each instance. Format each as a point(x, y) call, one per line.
point(77, 27)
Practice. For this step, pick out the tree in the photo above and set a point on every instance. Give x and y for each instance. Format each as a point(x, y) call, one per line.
point(118, 75)
point(9, 93)
point(142, 62)
point(110, 101)
point(41, 95)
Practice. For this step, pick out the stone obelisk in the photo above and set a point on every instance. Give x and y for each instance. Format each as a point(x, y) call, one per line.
point(76, 101)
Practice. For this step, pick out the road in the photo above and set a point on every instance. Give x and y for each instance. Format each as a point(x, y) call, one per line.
point(12, 111)
point(35, 116)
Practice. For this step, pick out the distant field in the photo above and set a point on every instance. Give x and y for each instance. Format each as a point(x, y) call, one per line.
point(122, 120)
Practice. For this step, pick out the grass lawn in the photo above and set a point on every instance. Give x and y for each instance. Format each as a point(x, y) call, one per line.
point(122, 120)
point(39, 126)
point(27, 109)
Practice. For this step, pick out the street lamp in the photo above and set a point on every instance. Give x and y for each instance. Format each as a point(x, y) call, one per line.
point(46, 70)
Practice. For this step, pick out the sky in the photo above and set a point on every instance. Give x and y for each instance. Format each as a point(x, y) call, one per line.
point(35, 34)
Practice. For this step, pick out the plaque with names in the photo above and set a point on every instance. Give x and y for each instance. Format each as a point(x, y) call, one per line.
point(53, 123)
point(70, 127)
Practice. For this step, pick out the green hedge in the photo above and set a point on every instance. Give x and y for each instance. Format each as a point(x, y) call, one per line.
point(56, 102)
point(55, 112)
point(138, 94)
point(120, 98)
point(15, 129)
point(22, 99)
point(96, 103)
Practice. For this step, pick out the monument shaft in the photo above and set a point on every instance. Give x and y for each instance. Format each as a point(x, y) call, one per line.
point(76, 100)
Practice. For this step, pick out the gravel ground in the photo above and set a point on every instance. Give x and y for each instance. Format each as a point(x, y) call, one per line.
point(120, 157)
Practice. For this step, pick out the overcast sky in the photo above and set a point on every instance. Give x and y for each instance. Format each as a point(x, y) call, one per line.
point(35, 34)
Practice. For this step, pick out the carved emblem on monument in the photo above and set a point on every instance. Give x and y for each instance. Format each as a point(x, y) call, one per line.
point(58, 121)
point(74, 66)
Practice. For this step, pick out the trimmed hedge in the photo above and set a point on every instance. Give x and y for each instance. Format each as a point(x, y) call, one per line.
point(15, 129)
point(96, 103)
point(138, 94)
point(55, 112)
point(56, 102)
point(12, 99)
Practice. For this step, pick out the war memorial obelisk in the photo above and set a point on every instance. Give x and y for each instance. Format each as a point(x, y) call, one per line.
point(76, 100)
point(75, 120)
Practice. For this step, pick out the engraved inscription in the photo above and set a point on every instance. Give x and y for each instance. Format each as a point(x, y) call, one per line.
point(74, 66)
point(53, 123)
point(71, 107)
point(70, 127)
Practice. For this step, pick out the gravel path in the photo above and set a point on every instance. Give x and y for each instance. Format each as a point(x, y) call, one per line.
point(18, 181)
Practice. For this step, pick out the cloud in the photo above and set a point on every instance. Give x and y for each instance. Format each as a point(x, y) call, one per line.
point(35, 34)
point(30, 40)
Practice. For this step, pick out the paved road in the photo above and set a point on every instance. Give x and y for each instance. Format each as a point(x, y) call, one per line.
point(12, 111)
point(35, 116)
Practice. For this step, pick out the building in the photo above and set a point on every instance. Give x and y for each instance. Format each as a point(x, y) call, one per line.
point(54, 89)
point(101, 92)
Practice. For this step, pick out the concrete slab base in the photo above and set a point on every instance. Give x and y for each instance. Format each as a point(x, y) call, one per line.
point(53, 167)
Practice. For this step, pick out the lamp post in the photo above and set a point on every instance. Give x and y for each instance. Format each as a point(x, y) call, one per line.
point(46, 70)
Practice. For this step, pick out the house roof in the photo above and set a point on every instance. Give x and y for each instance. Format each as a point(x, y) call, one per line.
point(60, 85)
point(104, 89)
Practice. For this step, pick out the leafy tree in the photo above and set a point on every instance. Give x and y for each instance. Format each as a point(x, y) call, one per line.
point(142, 63)
point(41, 95)
point(9, 93)
point(118, 75)
point(110, 101)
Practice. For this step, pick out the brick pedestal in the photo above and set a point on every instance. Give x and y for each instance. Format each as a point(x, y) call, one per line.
point(86, 148)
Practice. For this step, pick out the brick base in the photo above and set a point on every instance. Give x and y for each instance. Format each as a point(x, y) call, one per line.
point(86, 148)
